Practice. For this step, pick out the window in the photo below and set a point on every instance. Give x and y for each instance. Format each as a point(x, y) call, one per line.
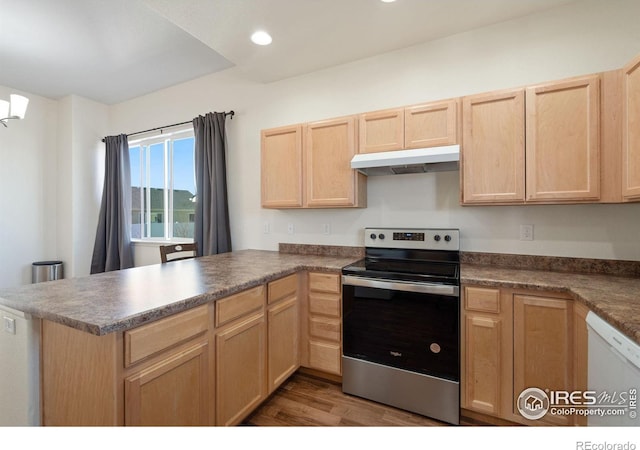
point(163, 186)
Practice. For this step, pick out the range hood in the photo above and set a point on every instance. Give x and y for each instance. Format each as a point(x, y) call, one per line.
point(419, 160)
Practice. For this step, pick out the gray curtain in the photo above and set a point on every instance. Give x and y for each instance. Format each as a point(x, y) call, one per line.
point(211, 231)
point(112, 249)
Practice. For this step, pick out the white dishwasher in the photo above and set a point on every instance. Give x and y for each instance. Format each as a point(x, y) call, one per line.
point(19, 368)
point(614, 374)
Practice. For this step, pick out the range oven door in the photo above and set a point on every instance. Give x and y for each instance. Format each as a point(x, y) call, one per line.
point(409, 326)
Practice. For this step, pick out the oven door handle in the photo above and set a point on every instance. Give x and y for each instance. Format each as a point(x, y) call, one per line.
point(405, 286)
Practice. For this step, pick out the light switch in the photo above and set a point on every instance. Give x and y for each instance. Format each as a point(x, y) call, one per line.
point(9, 325)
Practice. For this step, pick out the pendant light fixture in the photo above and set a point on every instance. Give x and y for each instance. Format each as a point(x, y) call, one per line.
point(15, 109)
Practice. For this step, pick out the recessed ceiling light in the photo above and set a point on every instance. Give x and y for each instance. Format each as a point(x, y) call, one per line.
point(387, 1)
point(261, 38)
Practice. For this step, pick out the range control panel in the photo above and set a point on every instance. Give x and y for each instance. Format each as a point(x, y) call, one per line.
point(420, 238)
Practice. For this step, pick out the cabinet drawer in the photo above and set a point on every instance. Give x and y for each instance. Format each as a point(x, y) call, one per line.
point(482, 299)
point(325, 328)
point(327, 304)
point(324, 282)
point(150, 339)
point(284, 287)
point(237, 305)
point(325, 356)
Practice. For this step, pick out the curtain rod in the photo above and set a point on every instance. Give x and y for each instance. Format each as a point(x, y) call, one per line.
point(227, 113)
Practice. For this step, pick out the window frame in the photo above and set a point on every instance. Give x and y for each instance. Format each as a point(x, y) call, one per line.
point(167, 139)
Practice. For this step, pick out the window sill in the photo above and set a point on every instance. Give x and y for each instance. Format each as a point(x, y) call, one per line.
point(158, 242)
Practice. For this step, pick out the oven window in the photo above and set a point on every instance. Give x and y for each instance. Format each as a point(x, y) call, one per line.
point(411, 331)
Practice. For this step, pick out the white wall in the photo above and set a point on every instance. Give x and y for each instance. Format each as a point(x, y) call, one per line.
point(581, 38)
point(51, 171)
point(27, 189)
point(83, 123)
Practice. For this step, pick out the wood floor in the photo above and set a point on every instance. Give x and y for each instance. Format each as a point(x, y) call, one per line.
point(308, 401)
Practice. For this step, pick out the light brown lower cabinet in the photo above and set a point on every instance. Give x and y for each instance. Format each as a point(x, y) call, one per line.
point(324, 337)
point(283, 331)
point(514, 340)
point(240, 369)
point(542, 349)
point(486, 330)
point(174, 391)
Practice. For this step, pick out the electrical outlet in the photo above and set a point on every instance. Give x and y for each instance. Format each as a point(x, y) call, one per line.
point(290, 229)
point(526, 232)
point(266, 228)
point(9, 325)
point(326, 228)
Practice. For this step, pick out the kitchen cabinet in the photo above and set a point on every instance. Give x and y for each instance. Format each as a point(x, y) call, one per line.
point(381, 131)
point(173, 387)
point(431, 124)
point(493, 151)
point(283, 328)
point(281, 160)
point(174, 391)
point(324, 340)
point(542, 348)
point(631, 131)
point(486, 354)
point(309, 166)
point(516, 339)
point(425, 125)
point(548, 135)
point(581, 352)
point(563, 140)
point(329, 147)
point(240, 355)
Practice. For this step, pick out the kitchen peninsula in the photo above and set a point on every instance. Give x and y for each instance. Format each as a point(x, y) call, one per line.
point(142, 346)
point(224, 331)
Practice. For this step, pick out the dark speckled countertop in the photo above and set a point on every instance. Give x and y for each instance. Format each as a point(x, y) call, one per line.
point(121, 300)
point(616, 299)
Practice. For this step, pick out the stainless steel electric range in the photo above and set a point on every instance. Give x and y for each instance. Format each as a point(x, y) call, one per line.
point(401, 314)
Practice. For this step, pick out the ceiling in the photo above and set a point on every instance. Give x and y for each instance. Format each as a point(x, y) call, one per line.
point(111, 51)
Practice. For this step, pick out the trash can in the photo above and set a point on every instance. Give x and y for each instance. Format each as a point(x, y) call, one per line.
point(46, 271)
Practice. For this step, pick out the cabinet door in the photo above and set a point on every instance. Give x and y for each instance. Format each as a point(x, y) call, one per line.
point(563, 140)
point(492, 155)
point(486, 353)
point(580, 352)
point(171, 392)
point(631, 131)
point(284, 355)
point(240, 369)
point(329, 147)
point(543, 349)
point(323, 346)
point(281, 160)
point(381, 131)
point(431, 124)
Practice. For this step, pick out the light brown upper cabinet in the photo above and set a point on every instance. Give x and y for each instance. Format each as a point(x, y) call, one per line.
point(557, 158)
point(418, 126)
point(309, 166)
point(282, 167)
point(492, 159)
point(563, 140)
point(431, 124)
point(329, 146)
point(631, 131)
point(381, 131)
